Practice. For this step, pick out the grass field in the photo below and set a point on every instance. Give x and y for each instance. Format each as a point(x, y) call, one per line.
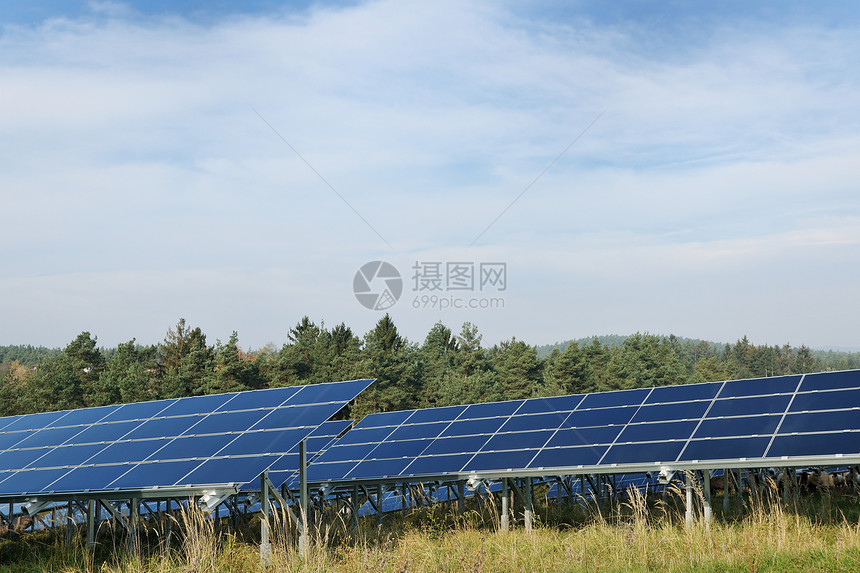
point(815, 533)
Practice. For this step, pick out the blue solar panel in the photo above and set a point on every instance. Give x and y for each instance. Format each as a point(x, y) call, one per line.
point(832, 400)
point(409, 431)
point(584, 436)
point(776, 404)
point(501, 460)
point(725, 448)
point(569, 457)
point(86, 416)
point(743, 426)
point(521, 423)
point(816, 444)
point(436, 464)
point(830, 381)
point(734, 420)
point(617, 398)
point(656, 431)
point(643, 453)
point(473, 426)
point(493, 409)
point(217, 439)
point(676, 411)
point(556, 404)
point(446, 414)
point(821, 421)
point(760, 386)
point(33, 421)
point(458, 444)
point(138, 411)
point(671, 394)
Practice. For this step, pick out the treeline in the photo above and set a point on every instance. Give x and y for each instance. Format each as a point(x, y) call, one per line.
point(445, 369)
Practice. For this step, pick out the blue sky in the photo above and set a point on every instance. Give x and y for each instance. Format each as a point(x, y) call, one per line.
point(148, 166)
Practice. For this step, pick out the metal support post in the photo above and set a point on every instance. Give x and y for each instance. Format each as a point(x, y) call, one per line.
point(91, 524)
point(688, 515)
point(265, 516)
point(168, 535)
point(70, 525)
point(504, 518)
point(133, 518)
point(706, 487)
point(529, 506)
point(304, 529)
point(727, 478)
point(461, 496)
point(380, 489)
point(354, 504)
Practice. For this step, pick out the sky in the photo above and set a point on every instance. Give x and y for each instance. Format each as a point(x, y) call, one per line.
point(545, 170)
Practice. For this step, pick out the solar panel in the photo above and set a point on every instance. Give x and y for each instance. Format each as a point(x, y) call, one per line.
point(719, 422)
point(189, 442)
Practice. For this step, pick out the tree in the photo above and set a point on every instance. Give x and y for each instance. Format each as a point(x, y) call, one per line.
point(127, 377)
point(568, 372)
point(804, 362)
point(68, 379)
point(389, 359)
point(234, 371)
point(518, 371)
point(436, 360)
point(185, 362)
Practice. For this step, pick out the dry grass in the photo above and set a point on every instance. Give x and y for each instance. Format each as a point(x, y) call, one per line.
point(639, 534)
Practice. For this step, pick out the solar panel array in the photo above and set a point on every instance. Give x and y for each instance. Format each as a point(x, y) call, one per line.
point(216, 439)
point(780, 417)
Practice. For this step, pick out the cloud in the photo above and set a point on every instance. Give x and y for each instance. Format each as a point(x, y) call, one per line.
point(132, 152)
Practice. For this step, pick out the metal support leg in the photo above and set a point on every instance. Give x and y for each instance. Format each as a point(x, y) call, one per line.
point(504, 518)
point(529, 506)
point(355, 506)
point(168, 526)
point(727, 482)
point(91, 524)
point(70, 524)
point(706, 486)
point(134, 517)
point(688, 515)
point(380, 489)
point(461, 497)
point(304, 531)
point(265, 516)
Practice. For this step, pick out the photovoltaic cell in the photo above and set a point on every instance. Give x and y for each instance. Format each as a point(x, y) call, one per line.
point(720, 421)
point(217, 439)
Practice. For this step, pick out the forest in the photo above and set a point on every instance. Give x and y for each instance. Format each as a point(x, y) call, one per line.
point(445, 369)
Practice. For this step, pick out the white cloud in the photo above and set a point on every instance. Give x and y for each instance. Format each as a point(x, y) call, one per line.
point(132, 153)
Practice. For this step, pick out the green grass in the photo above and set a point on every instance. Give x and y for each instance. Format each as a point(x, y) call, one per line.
point(817, 533)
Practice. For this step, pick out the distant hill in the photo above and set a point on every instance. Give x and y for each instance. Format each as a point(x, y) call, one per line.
point(831, 358)
point(26, 355)
point(614, 340)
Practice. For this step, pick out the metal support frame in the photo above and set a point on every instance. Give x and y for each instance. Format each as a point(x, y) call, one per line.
point(380, 493)
point(461, 496)
point(304, 528)
point(354, 506)
point(688, 514)
point(706, 487)
point(265, 517)
point(529, 511)
point(91, 523)
point(505, 518)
